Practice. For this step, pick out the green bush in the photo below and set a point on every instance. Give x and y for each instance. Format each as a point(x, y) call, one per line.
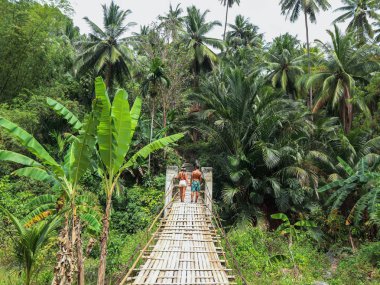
point(361, 268)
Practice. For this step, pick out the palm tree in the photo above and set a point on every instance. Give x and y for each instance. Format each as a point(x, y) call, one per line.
point(243, 33)
point(309, 8)
point(283, 70)
point(117, 124)
point(155, 78)
point(343, 66)
point(260, 133)
point(228, 4)
point(377, 31)
point(172, 21)
point(103, 51)
point(30, 241)
point(359, 11)
point(195, 37)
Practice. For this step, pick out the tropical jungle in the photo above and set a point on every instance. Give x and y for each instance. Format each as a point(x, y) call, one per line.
point(89, 123)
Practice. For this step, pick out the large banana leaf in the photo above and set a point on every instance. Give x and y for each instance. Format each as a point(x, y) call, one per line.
point(63, 111)
point(91, 220)
point(34, 173)
point(6, 155)
point(105, 136)
point(152, 147)
point(121, 128)
point(82, 149)
point(30, 143)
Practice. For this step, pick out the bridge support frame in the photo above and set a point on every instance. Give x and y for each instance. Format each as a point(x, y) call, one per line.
point(207, 174)
point(171, 173)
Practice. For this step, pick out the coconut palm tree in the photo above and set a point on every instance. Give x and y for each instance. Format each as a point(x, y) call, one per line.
point(359, 12)
point(228, 4)
point(103, 51)
point(336, 80)
point(309, 8)
point(195, 37)
point(243, 33)
point(172, 21)
point(283, 70)
point(117, 124)
point(155, 78)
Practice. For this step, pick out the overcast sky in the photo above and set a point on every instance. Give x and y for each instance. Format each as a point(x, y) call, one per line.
point(264, 13)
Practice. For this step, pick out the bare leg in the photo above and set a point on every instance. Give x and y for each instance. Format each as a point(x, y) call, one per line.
point(183, 194)
point(196, 196)
point(192, 196)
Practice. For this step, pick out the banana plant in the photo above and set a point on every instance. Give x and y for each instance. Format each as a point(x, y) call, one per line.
point(291, 230)
point(117, 124)
point(64, 176)
point(360, 183)
point(30, 240)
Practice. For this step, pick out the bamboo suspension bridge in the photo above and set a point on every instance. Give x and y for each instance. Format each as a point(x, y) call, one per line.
point(184, 243)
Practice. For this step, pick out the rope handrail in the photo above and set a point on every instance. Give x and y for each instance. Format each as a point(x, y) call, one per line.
point(219, 225)
point(147, 231)
point(125, 279)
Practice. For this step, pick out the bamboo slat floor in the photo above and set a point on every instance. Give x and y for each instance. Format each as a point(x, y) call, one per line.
point(185, 250)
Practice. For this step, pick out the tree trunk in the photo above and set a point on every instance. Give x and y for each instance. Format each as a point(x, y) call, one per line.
point(351, 241)
point(151, 131)
point(103, 242)
point(63, 271)
point(109, 76)
point(309, 59)
point(79, 247)
point(347, 109)
point(225, 23)
point(28, 275)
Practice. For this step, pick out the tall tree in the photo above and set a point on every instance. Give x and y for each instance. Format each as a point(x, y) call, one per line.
point(172, 21)
point(103, 51)
point(343, 66)
point(359, 12)
point(283, 70)
point(155, 78)
point(228, 4)
point(196, 38)
point(115, 132)
point(243, 33)
point(309, 8)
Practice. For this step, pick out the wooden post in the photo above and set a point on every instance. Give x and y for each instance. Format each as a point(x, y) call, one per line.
point(207, 174)
point(171, 172)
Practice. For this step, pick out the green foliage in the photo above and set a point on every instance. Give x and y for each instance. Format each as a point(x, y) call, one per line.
point(30, 241)
point(361, 268)
point(360, 184)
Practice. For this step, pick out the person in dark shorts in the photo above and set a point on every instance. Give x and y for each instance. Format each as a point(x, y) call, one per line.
point(196, 179)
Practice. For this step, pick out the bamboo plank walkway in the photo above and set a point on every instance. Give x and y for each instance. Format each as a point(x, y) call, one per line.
point(186, 250)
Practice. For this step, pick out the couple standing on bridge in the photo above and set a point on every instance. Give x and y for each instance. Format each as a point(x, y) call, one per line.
point(195, 182)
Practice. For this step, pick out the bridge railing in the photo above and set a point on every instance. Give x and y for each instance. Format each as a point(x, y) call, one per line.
point(212, 208)
point(150, 232)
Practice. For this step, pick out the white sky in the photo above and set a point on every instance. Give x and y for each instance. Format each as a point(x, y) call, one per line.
point(264, 13)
